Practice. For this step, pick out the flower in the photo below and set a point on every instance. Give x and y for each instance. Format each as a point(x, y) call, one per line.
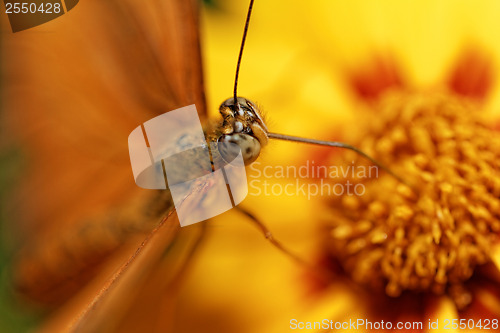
point(431, 238)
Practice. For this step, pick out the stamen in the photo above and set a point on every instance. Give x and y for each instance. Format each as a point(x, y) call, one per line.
point(389, 238)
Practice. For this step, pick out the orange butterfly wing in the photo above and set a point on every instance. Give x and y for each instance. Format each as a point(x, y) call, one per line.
point(74, 89)
point(77, 86)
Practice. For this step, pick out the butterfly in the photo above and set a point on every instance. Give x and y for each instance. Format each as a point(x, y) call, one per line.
point(71, 101)
point(76, 88)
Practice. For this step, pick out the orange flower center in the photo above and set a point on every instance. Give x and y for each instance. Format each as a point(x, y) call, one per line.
point(433, 237)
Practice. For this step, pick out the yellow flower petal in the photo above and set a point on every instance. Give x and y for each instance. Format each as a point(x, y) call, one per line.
point(442, 309)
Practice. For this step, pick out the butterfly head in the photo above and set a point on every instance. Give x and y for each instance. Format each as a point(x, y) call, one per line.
point(242, 126)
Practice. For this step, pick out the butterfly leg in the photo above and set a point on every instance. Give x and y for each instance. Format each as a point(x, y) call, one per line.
point(316, 270)
point(269, 236)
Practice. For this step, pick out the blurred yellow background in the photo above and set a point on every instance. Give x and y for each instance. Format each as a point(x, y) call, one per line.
point(297, 63)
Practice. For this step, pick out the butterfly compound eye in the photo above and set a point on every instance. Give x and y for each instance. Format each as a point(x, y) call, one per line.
point(231, 145)
point(242, 129)
point(238, 108)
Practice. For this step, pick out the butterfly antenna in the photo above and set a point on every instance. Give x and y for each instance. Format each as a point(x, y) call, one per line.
point(340, 145)
point(242, 46)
